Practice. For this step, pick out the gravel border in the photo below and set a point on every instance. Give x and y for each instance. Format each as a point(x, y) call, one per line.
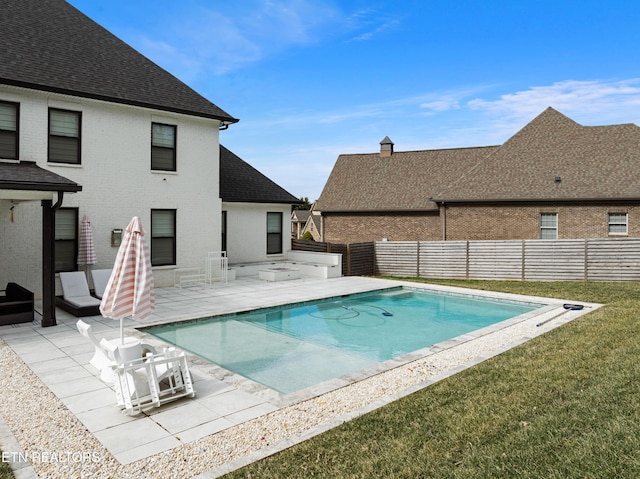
point(51, 437)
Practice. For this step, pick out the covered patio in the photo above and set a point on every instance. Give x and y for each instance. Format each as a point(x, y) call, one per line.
point(26, 181)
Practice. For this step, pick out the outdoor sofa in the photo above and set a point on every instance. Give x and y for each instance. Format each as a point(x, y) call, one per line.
point(16, 305)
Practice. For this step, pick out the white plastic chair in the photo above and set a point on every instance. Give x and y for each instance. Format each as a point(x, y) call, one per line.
point(216, 267)
point(152, 381)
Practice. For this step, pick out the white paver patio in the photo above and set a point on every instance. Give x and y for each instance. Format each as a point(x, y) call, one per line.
point(60, 357)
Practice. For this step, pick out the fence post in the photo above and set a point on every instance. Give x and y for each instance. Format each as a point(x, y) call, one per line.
point(467, 260)
point(348, 259)
point(418, 259)
point(524, 265)
point(586, 259)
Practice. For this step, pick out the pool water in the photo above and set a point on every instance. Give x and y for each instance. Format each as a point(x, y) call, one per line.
point(296, 346)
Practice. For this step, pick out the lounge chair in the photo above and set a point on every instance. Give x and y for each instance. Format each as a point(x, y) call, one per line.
point(100, 279)
point(76, 298)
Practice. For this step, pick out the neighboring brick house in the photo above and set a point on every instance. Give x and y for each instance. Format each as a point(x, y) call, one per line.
point(298, 222)
point(553, 179)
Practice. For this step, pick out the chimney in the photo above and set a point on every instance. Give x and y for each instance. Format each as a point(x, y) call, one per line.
point(386, 147)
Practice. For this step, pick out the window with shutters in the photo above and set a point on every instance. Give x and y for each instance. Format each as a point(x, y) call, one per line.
point(64, 136)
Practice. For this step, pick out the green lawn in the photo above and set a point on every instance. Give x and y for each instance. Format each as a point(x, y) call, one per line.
point(564, 405)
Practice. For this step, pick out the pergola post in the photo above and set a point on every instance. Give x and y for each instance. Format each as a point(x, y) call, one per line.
point(48, 265)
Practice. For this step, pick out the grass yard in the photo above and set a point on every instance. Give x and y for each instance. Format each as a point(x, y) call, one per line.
point(564, 405)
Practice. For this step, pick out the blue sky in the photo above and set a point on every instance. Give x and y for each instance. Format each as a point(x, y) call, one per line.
point(311, 79)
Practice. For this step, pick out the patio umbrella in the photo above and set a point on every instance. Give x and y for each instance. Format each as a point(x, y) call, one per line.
point(86, 250)
point(129, 291)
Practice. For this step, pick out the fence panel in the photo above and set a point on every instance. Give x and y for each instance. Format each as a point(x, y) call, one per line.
point(443, 259)
point(603, 259)
point(557, 260)
point(397, 258)
point(361, 259)
point(308, 245)
point(495, 259)
point(613, 259)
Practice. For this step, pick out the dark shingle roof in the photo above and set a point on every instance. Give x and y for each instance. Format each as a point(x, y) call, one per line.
point(592, 162)
point(241, 182)
point(404, 181)
point(28, 176)
point(49, 45)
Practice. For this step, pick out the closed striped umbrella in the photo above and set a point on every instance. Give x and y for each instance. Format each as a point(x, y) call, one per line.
point(86, 250)
point(129, 291)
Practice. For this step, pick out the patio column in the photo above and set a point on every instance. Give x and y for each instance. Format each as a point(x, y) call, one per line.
point(48, 265)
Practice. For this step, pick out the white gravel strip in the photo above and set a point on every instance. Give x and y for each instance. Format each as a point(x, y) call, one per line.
point(59, 446)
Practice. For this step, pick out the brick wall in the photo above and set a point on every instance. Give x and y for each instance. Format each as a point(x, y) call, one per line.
point(480, 222)
point(469, 222)
point(363, 228)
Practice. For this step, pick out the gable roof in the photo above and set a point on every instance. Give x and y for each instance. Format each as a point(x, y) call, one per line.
point(591, 162)
point(404, 181)
point(242, 183)
point(49, 45)
point(300, 216)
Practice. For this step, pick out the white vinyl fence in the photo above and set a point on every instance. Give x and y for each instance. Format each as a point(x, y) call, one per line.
point(534, 260)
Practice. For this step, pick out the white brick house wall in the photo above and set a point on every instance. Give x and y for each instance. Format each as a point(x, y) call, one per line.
point(247, 231)
point(117, 182)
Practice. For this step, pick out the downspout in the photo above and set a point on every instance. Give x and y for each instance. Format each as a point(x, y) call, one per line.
point(49, 260)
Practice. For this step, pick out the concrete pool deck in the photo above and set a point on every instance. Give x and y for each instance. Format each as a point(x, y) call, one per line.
point(231, 421)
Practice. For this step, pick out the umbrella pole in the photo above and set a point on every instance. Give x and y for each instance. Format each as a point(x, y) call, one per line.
point(121, 331)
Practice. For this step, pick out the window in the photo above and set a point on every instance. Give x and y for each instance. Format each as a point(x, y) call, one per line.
point(64, 136)
point(618, 223)
point(274, 233)
point(163, 237)
point(549, 226)
point(66, 239)
point(8, 131)
point(163, 147)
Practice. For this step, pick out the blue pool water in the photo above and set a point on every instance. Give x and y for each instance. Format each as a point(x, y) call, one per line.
point(296, 346)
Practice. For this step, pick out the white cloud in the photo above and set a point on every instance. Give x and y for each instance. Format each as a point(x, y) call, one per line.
point(216, 39)
point(593, 100)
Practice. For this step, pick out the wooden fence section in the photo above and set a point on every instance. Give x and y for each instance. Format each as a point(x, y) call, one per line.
point(357, 258)
point(534, 260)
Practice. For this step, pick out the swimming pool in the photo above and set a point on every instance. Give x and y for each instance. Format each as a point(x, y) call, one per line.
point(296, 346)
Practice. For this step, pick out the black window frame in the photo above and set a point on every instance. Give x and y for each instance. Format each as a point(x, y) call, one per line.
point(159, 154)
point(275, 238)
point(157, 239)
point(66, 246)
point(71, 143)
point(11, 136)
